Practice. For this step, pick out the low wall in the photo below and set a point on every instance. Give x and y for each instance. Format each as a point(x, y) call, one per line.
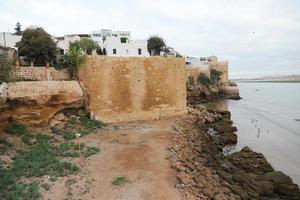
point(41, 74)
point(134, 88)
point(35, 102)
point(222, 67)
point(194, 72)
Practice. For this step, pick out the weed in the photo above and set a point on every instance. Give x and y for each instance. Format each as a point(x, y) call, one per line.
point(120, 181)
point(18, 129)
point(67, 149)
point(46, 186)
point(40, 160)
point(90, 124)
point(70, 182)
point(42, 138)
point(27, 139)
point(4, 146)
point(69, 135)
point(5, 143)
point(88, 151)
point(57, 131)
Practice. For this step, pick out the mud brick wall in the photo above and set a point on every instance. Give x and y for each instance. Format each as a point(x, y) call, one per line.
point(134, 88)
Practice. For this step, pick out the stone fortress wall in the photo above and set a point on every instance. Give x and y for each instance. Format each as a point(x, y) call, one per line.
point(134, 88)
point(212, 64)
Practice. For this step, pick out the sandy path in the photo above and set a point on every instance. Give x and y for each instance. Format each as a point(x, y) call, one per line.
point(135, 150)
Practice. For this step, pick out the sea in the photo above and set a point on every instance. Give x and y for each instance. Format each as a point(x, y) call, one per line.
point(268, 121)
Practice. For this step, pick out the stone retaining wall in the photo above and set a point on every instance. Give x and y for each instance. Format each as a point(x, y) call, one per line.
point(41, 74)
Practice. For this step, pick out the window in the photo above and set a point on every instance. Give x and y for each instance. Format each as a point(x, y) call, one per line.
point(140, 51)
point(123, 40)
point(114, 51)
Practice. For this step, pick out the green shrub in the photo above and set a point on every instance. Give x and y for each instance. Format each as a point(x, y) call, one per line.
point(215, 75)
point(42, 138)
point(120, 181)
point(90, 124)
point(17, 129)
point(4, 146)
point(89, 151)
point(203, 79)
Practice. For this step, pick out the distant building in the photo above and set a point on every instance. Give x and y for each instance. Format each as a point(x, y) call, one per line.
point(119, 43)
point(63, 43)
point(9, 39)
point(169, 52)
point(205, 64)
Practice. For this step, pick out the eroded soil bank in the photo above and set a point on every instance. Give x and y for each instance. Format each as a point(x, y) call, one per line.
point(203, 172)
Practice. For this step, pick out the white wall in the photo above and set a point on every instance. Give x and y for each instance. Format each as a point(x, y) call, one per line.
point(9, 39)
point(65, 44)
point(125, 49)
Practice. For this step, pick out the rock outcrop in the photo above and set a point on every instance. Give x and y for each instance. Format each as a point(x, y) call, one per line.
point(204, 172)
point(35, 102)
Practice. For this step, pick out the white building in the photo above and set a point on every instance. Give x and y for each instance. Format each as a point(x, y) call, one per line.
point(63, 43)
point(202, 62)
point(119, 43)
point(9, 39)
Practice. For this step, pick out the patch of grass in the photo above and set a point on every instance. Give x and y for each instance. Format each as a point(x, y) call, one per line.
point(70, 149)
point(57, 131)
point(4, 146)
point(89, 151)
point(90, 124)
point(120, 181)
point(42, 138)
point(40, 160)
point(67, 149)
point(46, 186)
point(12, 189)
point(27, 139)
point(20, 130)
point(5, 143)
point(69, 135)
point(17, 129)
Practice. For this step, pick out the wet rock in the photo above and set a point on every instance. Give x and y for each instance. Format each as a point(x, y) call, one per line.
point(203, 172)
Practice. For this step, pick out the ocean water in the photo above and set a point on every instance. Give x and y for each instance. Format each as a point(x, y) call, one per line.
point(268, 121)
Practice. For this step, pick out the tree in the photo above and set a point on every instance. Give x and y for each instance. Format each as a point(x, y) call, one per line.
point(18, 29)
point(73, 59)
point(37, 46)
point(215, 75)
point(6, 68)
point(85, 44)
point(155, 45)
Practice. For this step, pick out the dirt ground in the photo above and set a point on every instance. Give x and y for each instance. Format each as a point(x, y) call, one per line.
point(136, 151)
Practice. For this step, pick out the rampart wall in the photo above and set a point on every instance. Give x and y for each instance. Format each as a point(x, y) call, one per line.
point(134, 88)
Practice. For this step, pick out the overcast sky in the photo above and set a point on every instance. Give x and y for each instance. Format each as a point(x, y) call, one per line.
point(257, 37)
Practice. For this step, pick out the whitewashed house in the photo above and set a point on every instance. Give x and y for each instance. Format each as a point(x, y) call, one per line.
point(119, 43)
point(63, 43)
point(9, 39)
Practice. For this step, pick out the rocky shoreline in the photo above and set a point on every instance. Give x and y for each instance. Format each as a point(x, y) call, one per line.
point(204, 172)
